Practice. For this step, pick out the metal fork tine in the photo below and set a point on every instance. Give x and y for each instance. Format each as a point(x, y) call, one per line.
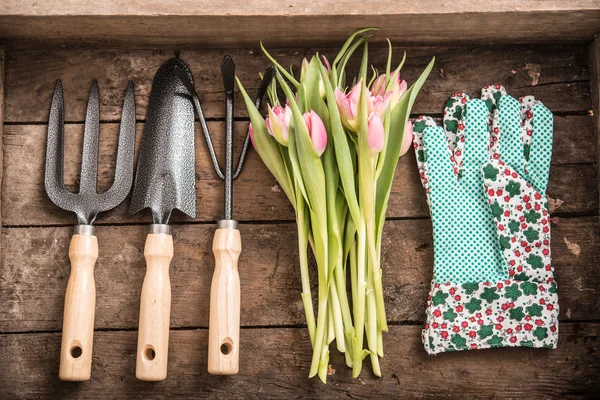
point(89, 157)
point(125, 154)
point(54, 175)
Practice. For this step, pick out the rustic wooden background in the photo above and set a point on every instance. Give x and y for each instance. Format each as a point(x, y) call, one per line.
point(275, 350)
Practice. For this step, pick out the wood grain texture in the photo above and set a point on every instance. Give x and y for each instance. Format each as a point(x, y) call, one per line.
point(224, 323)
point(256, 193)
point(32, 293)
point(31, 76)
point(210, 24)
point(594, 60)
point(155, 309)
point(80, 306)
point(277, 362)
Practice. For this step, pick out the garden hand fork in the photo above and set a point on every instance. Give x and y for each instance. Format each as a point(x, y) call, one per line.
point(80, 297)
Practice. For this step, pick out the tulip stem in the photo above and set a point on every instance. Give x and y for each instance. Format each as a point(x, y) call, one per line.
point(302, 222)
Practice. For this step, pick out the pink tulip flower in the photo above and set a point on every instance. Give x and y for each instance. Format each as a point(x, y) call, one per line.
point(391, 94)
point(348, 106)
point(375, 133)
point(251, 134)
point(278, 123)
point(407, 138)
point(317, 131)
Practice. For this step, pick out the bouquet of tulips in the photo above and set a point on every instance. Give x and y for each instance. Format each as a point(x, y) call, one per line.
point(334, 153)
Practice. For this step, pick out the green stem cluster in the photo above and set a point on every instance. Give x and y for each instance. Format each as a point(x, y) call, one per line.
point(340, 199)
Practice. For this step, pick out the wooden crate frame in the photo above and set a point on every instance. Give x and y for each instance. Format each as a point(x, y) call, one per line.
point(42, 40)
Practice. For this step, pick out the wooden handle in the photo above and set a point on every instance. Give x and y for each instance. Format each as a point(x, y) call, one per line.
point(155, 309)
point(224, 326)
point(80, 304)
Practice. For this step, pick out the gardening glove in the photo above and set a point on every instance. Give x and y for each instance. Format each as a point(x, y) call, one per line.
point(485, 174)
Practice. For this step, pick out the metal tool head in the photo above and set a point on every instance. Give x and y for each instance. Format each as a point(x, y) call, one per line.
point(165, 176)
point(88, 203)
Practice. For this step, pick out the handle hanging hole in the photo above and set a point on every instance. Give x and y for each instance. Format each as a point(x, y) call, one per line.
point(226, 347)
point(76, 351)
point(149, 353)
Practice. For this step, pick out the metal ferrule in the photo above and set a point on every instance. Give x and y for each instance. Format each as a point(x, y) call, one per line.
point(84, 230)
point(227, 224)
point(160, 229)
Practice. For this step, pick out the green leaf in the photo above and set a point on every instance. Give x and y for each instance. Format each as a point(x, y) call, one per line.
point(512, 292)
point(419, 126)
point(451, 126)
point(514, 226)
point(513, 188)
point(540, 333)
point(489, 172)
point(495, 341)
point(450, 102)
point(470, 287)
point(504, 242)
point(516, 313)
point(531, 235)
point(535, 261)
point(281, 69)
point(450, 315)
point(439, 298)
point(496, 210)
point(489, 295)
point(343, 153)
point(529, 288)
point(532, 216)
point(459, 341)
point(422, 156)
point(534, 310)
point(485, 331)
point(473, 305)
point(458, 113)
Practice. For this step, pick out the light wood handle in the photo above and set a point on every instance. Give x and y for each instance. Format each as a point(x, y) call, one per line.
point(80, 304)
point(155, 309)
point(224, 325)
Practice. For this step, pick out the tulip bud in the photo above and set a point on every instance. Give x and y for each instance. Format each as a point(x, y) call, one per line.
point(326, 64)
point(278, 123)
point(303, 69)
point(251, 134)
point(397, 88)
point(348, 106)
point(407, 138)
point(375, 133)
point(378, 86)
point(316, 130)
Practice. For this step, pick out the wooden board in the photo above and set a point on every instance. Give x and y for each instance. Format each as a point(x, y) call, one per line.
point(256, 194)
point(238, 23)
point(275, 346)
point(269, 274)
point(276, 363)
point(594, 61)
point(563, 82)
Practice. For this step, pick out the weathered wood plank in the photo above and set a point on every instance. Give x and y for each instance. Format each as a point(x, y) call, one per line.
point(275, 363)
point(256, 195)
point(2, 89)
point(35, 273)
point(31, 75)
point(211, 24)
point(594, 61)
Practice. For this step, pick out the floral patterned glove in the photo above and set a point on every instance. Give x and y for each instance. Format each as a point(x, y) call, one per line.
point(485, 174)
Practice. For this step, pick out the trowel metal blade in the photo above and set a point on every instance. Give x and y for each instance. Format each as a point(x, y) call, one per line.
point(165, 176)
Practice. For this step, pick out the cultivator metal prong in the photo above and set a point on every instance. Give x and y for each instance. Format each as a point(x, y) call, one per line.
point(89, 156)
point(88, 203)
point(54, 175)
point(124, 165)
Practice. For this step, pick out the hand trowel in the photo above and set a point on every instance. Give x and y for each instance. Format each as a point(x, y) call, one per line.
point(164, 181)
